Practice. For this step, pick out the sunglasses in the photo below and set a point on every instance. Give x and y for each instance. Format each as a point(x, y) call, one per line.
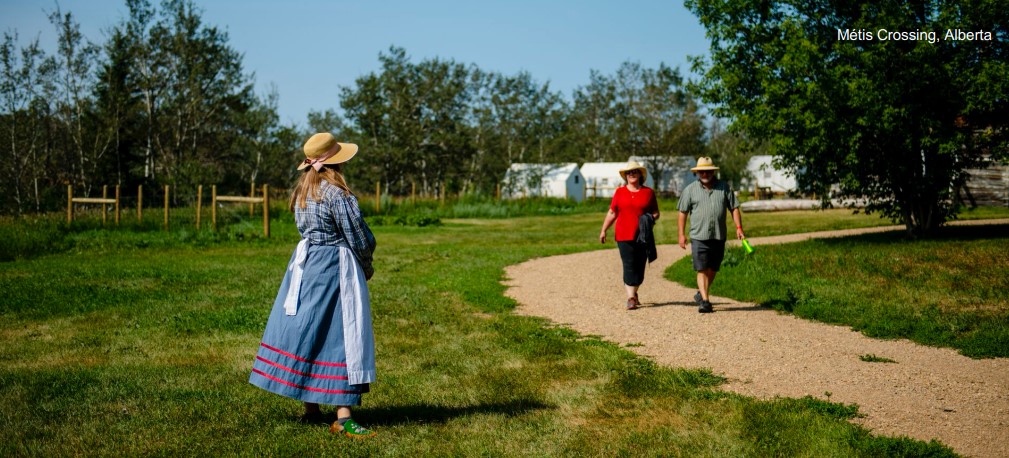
point(633, 172)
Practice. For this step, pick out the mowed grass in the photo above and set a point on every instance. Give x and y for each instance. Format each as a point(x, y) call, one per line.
point(123, 346)
point(950, 291)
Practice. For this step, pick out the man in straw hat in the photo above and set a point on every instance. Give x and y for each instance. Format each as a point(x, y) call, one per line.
point(706, 201)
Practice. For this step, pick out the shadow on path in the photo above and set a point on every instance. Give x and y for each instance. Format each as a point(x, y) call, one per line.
point(666, 304)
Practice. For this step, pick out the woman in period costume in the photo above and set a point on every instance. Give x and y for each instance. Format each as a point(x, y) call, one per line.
point(318, 346)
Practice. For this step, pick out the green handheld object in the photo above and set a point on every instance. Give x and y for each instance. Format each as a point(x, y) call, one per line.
point(747, 246)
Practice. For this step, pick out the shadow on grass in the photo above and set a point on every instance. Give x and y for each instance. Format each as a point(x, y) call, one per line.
point(429, 413)
point(981, 231)
point(945, 233)
point(786, 305)
point(740, 308)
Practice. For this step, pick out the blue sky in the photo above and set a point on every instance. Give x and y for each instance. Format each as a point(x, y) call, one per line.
point(308, 49)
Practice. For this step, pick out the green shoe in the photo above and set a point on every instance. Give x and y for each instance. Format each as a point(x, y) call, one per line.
point(351, 429)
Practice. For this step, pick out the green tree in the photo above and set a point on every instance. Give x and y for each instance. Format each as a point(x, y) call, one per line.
point(81, 139)
point(267, 152)
point(523, 113)
point(119, 107)
point(515, 119)
point(413, 118)
point(146, 76)
point(730, 152)
point(893, 122)
point(638, 111)
point(163, 101)
point(26, 75)
point(440, 123)
point(591, 124)
point(183, 109)
point(207, 95)
point(445, 100)
point(658, 120)
point(383, 110)
point(326, 121)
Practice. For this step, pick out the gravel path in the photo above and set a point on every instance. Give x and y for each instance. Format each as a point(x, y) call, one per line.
point(931, 393)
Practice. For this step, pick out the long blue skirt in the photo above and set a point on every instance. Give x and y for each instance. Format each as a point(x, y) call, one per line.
point(303, 356)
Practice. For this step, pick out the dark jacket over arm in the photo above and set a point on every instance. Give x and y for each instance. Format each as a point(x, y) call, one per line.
point(646, 236)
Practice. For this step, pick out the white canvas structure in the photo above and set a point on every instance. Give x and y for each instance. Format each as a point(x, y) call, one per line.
point(564, 181)
point(603, 178)
point(765, 176)
point(672, 173)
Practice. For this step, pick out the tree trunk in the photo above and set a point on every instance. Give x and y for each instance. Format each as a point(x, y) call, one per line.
point(922, 220)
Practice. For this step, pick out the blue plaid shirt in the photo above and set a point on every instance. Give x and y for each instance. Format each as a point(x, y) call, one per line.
point(336, 220)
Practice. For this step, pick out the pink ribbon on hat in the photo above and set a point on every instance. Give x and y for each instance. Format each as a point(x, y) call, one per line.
point(317, 163)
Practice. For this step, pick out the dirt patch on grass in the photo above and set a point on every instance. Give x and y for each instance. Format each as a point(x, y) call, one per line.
point(930, 393)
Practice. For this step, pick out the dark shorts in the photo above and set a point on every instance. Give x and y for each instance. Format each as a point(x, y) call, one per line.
point(634, 257)
point(707, 254)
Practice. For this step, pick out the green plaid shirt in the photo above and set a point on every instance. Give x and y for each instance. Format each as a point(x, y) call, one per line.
point(707, 208)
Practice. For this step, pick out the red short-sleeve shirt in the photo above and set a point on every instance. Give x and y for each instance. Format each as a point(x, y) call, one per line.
point(629, 206)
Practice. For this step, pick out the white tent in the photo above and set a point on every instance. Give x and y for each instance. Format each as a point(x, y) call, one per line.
point(544, 180)
point(672, 173)
point(603, 178)
point(767, 177)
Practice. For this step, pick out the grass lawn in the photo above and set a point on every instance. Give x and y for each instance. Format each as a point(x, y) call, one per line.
point(951, 291)
point(140, 343)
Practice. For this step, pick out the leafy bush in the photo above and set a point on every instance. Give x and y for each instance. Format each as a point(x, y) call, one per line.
point(29, 237)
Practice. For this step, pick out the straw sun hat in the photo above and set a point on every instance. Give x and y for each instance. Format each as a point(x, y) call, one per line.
point(633, 165)
point(704, 163)
point(323, 149)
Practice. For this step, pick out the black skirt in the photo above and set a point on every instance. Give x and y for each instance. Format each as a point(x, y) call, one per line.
point(634, 256)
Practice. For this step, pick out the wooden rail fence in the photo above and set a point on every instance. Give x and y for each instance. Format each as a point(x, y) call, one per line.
point(265, 199)
point(105, 201)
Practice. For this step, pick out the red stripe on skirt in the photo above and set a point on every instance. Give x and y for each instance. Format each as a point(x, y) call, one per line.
point(321, 363)
point(302, 387)
point(293, 371)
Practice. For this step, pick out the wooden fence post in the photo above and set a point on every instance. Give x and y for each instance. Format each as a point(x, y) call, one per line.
point(413, 192)
point(117, 205)
point(213, 207)
point(70, 203)
point(266, 211)
point(378, 196)
point(199, 202)
point(166, 207)
point(105, 208)
point(140, 203)
point(252, 193)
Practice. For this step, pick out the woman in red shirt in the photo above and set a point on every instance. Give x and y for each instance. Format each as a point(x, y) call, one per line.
point(630, 202)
